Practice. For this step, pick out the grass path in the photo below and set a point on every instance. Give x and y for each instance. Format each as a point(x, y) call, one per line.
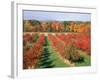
point(57, 60)
point(50, 58)
point(65, 60)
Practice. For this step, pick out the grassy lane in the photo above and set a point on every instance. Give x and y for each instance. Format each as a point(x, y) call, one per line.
point(50, 58)
point(57, 60)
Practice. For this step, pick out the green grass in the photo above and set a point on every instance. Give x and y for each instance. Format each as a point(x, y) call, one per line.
point(87, 59)
point(57, 60)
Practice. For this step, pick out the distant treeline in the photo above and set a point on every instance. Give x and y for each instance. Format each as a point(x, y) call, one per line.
point(56, 26)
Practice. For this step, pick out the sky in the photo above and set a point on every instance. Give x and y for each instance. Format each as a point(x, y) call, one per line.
point(58, 16)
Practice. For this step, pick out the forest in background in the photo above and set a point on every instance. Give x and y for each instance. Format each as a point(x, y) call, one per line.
point(56, 26)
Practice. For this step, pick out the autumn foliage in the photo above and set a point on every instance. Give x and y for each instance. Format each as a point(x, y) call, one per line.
point(56, 26)
point(31, 56)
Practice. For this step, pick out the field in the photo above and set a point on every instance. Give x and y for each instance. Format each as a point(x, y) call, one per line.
point(50, 46)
